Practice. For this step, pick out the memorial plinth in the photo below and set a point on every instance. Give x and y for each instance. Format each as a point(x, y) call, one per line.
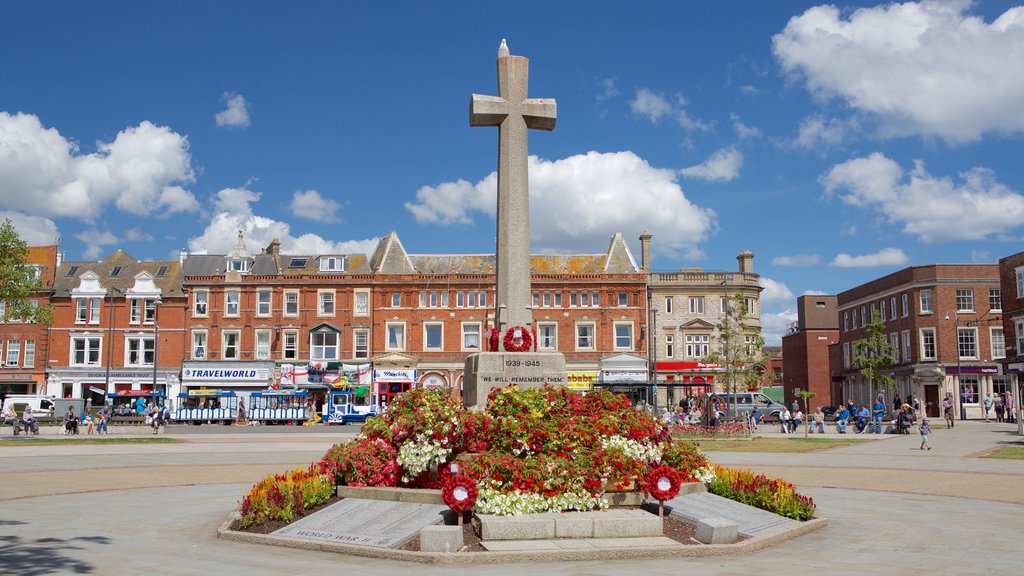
point(489, 370)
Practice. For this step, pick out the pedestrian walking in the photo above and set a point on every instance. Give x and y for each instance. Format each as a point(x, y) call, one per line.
point(925, 430)
point(999, 408)
point(988, 407)
point(947, 409)
point(1011, 410)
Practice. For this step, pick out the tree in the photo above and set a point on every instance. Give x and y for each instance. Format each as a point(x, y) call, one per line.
point(18, 281)
point(806, 395)
point(740, 348)
point(875, 355)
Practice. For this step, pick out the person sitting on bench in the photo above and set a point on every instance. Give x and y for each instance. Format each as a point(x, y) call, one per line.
point(842, 420)
point(71, 421)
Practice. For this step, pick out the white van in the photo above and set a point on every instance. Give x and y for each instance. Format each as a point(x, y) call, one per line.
point(42, 406)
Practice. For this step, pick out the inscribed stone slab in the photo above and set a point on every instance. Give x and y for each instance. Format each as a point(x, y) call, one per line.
point(366, 522)
point(751, 521)
point(488, 370)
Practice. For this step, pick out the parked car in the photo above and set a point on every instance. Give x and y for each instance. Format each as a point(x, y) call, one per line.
point(745, 402)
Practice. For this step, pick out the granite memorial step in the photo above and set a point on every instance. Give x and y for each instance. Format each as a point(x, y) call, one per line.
point(613, 523)
point(377, 523)
point(750, 521)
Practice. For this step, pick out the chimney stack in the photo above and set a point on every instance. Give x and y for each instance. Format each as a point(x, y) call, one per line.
point(645, 252)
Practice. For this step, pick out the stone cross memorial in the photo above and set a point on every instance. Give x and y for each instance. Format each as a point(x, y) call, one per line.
point(513, 113)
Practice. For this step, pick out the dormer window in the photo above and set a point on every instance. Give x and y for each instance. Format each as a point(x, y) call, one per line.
point(161, 271)
point(240, 265)
point(71, 272)
point(297, 263)
point(332, 263)
point(115, 271)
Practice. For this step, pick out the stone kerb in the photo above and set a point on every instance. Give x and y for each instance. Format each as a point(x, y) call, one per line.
point(488, 370)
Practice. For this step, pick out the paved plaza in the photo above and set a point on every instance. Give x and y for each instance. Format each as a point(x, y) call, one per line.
point(155, 508)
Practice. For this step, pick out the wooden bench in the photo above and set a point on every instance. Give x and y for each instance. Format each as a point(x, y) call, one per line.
point(133, 420)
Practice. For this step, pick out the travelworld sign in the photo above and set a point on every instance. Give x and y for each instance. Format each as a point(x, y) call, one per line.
point(227, 374)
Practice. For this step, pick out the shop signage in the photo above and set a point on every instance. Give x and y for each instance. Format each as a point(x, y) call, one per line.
point(619, 376)
point(433, 381)
point(680, 366)
point(580, 380)
point(225, 374)
point(395, 375)
point(120, 374)
point(15, 377)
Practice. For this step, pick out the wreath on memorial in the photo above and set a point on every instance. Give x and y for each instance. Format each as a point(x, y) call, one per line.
point(460, 493)
point(663, 483)
point(522, 335)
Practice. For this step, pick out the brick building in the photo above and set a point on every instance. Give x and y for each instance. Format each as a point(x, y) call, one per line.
point(118, 326)
point(23, 345)
point(1011, 281)
point(945, 323)
point(805, 350)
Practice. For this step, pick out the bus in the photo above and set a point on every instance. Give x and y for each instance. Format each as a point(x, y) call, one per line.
point(206, 405)
point(279, 406)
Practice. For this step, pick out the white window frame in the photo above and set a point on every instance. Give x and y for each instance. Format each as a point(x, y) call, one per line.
point(319, 352)
point(894, 341)
point(397, 329)
point(200, 339)
point(925, 301)
point(547, 336)
point(621, 331)
point(670, 346)
point(201, 303)
point(13, 355)
point(81, 310)
point(29, 358)
point(325, 303)
point(93, 345)
point(333, 264)
point(881, 310)
point(288, 296)
point(470, 330)
point(623, 299)
point(360, 343)
point(1019, 274)
point(263, 344)
point(846, 321)
point(590, 327)
point(846, 355)
point(232, 303)
point(965, 297)
point(995, 300)
point(892, 308)
point(396, 299)
point(997, 343)
point(905, 336)
point(698, 344)
point(925, 345)
point(289, 344)
point(361, 303)
point(696, 304)
point(967, 336)
point(264, 308)
point(224, 337)
point(904, 305)
point(140, 345)
point(135, 308)
point(668, 304)
point(426, 340)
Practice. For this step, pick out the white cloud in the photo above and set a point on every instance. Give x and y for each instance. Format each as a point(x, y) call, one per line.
point(980, 256)
point(932, 208)
point(42, 173)
point(94, 241)
point(724, 165)
point(884, 257)
point(608, 90)
point(656, 106)
point(744, 132)
point(137, 235)
point(235, 213)
point(237, 113)
point(311, 205)
point(577, 203)
point(775, 325)
point(775, 292)
point(921, 68)
point(797, 260)
point(177, 199)
point(815, 293)
point(816, 132)
point(34, 230)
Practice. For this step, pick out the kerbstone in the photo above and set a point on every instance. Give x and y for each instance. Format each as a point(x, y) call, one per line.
point(529, 527)
point(441, 539)
point(627, 524)
point(574, 525)
point(716, 531)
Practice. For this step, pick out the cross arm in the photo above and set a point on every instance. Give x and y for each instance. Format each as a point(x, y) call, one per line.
point(487, 110)
point(540, 113)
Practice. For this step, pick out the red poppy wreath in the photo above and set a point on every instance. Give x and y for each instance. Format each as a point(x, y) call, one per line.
point(460, 493)
point(663, 483)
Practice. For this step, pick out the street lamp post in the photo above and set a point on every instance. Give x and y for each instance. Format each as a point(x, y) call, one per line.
point(728, 368)
point(156, 337)
point(958, 391)
point(654, 356)
point(110, 334)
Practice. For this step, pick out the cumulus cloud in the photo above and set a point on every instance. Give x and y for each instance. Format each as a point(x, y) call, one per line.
point(775, 292)
point(237, 113)
point(775, 325)
point(94, 241)
point(920, 68)
point(797, 260)
point(935, 209)
point(235, 213)
point(884, 257)
point(577, 203)
point(724, 165)
point(656, 106)
point(816, 132)
point(743, 131)
point(608, 90)
point(311, 205)
point(140, 172)
point(137, 235)
point(34, 230)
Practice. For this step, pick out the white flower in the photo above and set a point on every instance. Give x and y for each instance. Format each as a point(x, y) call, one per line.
point(416, 456)
point(648, 453)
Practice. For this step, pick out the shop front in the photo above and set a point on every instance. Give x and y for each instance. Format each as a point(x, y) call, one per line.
point(243, 378)
point(685, 380)
point(627, 374)
point(97, 384)
point(21, 383)
point(391, 382)
point(581, 381)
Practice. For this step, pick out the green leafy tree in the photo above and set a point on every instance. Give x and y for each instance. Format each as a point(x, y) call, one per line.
point(874, 356)
point(806, 395)
point(739, 348)
point(18, 282)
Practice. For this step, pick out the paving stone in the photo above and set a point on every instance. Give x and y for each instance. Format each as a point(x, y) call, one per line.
point(716, 531)
point(367, 522)
point(527, 527)
point(633, 542)
point(441, 539)
point(626, 524)
point(518, 545)
point(751, 521)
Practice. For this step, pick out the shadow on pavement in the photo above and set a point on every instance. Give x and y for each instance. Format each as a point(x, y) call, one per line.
point(28, 557)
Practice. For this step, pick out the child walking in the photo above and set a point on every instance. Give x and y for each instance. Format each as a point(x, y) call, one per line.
point(925, 431)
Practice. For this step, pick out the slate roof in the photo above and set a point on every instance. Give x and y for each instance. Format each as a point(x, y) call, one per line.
point(169, 284)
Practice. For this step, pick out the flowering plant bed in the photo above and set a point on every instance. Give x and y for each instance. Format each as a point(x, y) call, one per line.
point(697, 431)
point(762, 492)
point(279, 498)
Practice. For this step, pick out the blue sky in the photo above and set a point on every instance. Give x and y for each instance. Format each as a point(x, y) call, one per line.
point(837, 143)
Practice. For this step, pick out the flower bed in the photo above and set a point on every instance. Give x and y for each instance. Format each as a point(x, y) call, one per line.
point(722, 430)
point(760, 491)
point(282, 497)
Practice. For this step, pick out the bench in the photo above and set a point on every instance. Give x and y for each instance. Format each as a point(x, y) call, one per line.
point(133, 420)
